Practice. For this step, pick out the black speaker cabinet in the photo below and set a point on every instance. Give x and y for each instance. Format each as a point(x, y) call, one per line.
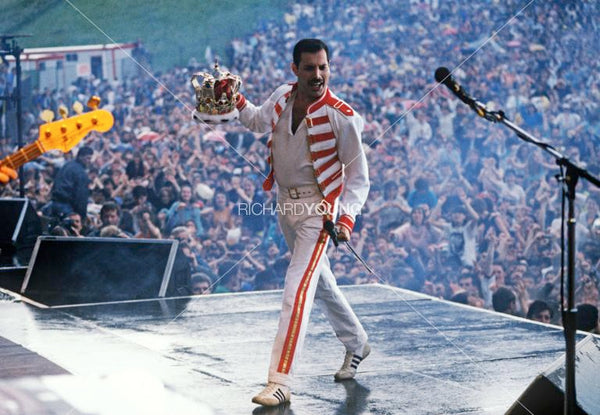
point(71, 270)
point(11, 278)
point(19, 228)
point(546, 394)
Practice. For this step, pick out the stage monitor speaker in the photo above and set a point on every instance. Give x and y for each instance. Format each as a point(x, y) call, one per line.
point(71, 270)
point(546, 393)
point(11, 278)
point(19, 228)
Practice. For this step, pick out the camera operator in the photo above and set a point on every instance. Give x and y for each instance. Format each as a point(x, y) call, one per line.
point(72, 222)
point(70, 225)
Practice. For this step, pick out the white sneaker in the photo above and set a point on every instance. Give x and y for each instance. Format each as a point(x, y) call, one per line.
point(272, 395)
point(351, 362)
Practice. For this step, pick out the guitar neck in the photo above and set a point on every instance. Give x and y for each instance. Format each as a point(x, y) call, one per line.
point(23, 155)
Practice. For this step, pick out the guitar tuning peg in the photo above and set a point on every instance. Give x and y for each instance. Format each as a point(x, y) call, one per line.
point(78, 107)
point(47, 116)
point(94, 102)
point(63, 111)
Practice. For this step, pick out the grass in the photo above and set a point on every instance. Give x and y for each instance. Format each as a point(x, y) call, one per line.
point(172, 31)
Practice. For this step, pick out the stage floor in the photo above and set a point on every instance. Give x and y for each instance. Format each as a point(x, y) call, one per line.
point(209, 355)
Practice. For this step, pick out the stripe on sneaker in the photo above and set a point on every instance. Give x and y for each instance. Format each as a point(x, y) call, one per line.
point(356, 359)
point(279, 395)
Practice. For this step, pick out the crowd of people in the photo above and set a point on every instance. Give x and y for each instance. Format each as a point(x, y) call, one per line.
point(459, 208)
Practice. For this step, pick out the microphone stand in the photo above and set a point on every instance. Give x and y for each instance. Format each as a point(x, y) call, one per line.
point(14, 50)
point(573, 173)
point(330, 228)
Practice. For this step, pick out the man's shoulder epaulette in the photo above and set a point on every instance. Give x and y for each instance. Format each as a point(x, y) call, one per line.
point(334, 102)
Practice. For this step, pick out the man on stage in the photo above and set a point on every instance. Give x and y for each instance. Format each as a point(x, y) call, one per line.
point(318, 162)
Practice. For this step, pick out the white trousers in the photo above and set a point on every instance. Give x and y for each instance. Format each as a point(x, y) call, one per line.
point(308, 277)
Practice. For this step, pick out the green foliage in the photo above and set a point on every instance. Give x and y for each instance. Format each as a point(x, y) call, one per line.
point(172, 31)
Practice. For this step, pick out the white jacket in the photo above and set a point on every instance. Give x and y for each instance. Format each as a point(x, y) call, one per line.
point(334, 137)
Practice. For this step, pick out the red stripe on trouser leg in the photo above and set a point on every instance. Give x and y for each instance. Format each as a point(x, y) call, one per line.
point(291, 338)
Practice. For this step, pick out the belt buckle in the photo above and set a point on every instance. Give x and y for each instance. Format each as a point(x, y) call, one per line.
point(293, 192)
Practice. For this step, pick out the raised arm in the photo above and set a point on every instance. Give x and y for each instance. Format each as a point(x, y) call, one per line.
point(258, 118)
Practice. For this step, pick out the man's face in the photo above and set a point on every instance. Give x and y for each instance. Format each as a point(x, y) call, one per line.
point(466, 284)
point(498, 272)
point(417, 216)
point(186, 193)
point(313, 74)
point(543, 316)
point(458, 218)
point(141, 199)
point(339, 269)
point(111, 217)
point(165, 196)
point(86, 160)
point(75, 221)
point(202, 287)
point(221, 199)
point(516, 276)
point(382, 245)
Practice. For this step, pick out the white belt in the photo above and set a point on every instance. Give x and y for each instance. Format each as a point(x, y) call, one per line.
point(300, 192)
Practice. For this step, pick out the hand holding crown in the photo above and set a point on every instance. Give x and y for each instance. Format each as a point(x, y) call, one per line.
point(216, 96)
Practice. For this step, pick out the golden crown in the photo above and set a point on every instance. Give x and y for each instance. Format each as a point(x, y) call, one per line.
point(216, 95)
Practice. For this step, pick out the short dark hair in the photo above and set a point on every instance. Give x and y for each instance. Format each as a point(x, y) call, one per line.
point(85, 151)
point(310, 46)
point(537, 307)
point(587, 317)
point(201, 277)
point(475, 281)
point(461, 298)
point(421, 184)
point(502, 299)
point(264, 278)
point(389, 185)
point(139, 191)
point(109, 207)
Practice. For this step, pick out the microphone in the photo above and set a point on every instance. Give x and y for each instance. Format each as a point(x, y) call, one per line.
point(330, 228)
point(443, 76)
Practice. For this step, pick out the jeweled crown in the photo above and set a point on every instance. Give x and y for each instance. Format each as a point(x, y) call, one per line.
point(216, 95)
